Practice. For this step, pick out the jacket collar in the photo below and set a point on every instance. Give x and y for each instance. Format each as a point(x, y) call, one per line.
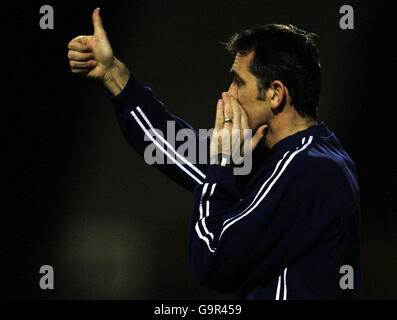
point(291, 142)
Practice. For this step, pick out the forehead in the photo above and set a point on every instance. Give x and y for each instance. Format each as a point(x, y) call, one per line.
point(242, 62)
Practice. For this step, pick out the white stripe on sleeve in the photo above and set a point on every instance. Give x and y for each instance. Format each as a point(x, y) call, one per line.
point(285, 284)
point(162, 148)
point(278, 288)
point(239, 216)
point(169, 145)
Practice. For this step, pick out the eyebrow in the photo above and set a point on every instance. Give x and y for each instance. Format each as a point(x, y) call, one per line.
point(235, 75)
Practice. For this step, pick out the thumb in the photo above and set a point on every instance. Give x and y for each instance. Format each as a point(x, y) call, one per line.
point(259, 134)
point(97, 22)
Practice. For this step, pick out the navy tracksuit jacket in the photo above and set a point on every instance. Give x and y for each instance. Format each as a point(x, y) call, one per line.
point(285, 231)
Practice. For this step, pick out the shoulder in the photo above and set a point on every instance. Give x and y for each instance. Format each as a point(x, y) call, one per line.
point(318, 165)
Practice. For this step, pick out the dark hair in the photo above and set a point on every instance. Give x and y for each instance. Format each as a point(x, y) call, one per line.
point(285, 53)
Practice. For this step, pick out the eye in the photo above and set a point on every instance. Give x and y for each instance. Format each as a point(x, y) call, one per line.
point(237, 81)
point(240, 83)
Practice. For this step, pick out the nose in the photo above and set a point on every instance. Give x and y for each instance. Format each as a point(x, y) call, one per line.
point(233, 90)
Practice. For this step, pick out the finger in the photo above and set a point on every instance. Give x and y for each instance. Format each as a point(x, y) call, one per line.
point(244, 119)
point(220, 118)
point(97, 22)
point(79, 44)
point(236, 113)
point(81, 71)
point(79, 56)
point(259, 134)
point(82, 65)
point(233, 91)
point(227, 109)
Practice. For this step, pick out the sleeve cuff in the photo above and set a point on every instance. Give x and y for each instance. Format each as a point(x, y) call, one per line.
point(219, 174)
point(134, 93)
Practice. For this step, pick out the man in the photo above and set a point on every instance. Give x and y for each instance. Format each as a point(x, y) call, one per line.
point(289, 229)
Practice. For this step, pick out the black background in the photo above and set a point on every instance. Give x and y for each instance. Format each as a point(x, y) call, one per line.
point(78, 198)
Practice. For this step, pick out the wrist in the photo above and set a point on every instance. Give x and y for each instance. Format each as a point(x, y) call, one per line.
point(116, 77)
point(222, 159)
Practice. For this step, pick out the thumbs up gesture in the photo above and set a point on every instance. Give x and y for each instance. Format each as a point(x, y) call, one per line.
point(92, 56)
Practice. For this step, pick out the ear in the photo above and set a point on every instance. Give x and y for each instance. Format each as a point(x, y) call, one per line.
point(277, 94)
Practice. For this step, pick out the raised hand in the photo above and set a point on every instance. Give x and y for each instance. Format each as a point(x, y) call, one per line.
point(92, 56)
point(232, 133)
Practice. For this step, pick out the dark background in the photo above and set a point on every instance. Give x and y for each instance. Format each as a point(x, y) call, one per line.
point(78, 198)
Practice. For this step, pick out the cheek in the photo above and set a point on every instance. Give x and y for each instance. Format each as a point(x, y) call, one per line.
point(242, 99)
point(247, 102)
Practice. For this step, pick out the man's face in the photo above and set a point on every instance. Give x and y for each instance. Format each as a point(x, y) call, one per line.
point(244, 88)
